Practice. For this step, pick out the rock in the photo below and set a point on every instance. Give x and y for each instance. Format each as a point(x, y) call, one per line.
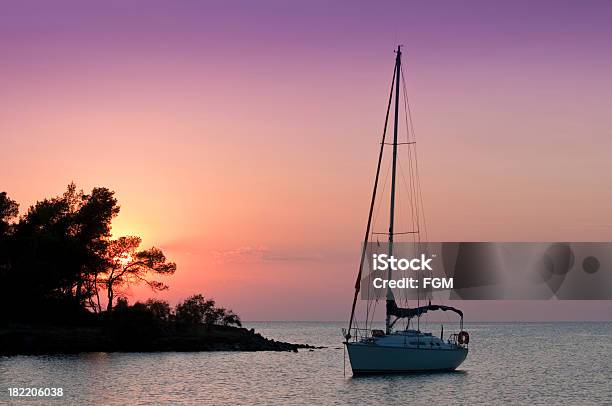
point(102, 338)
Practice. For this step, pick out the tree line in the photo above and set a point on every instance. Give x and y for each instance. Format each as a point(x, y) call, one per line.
point(59, 258)
point(195, 310)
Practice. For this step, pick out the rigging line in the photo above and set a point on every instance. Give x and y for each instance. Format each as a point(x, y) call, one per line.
point(403, 296)
point(410, 186)
point(399, 215)
point(369, 303)
point(403, 299)
point(374, 222)
point(410, 192)
point(394, 81)
point(420, 202)
point(408, 132)
point(413, 197)
point(372, 304)
point(389, 293)
point(416, 162)
point(407, 113)
point(377, 210)
point(415, 225)
point(399, 220)
point(373, 313)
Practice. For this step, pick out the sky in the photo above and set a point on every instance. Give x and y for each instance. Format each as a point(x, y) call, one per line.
point(241, 137)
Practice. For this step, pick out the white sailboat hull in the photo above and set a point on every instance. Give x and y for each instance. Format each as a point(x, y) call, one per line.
point(372, 359)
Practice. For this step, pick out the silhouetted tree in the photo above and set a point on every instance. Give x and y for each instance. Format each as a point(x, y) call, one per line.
point(9, 209)
point(127, 265)
point(122, 304)
point(57, 258)
point(159, 308)
point(61, 243)
point(198, 310)
point(93, 219)
point(231, 318)
point(193, 310)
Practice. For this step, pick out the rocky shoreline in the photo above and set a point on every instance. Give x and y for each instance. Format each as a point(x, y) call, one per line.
point(34, 340)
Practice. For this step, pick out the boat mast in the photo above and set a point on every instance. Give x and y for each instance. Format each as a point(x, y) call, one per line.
point(372, 202)
point(390, 299)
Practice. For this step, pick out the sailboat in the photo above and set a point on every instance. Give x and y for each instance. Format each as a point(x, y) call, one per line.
point(408, 349)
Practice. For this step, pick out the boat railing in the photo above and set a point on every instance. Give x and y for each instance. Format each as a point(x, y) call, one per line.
point(364, 334)
point(453, 339)
point(359, 334)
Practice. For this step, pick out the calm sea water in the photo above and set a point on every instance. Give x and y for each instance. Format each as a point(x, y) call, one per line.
point(516, 363)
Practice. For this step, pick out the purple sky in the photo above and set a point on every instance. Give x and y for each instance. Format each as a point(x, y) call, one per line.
point(241, 137)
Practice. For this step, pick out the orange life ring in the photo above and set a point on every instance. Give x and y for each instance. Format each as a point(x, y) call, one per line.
point(464, 338)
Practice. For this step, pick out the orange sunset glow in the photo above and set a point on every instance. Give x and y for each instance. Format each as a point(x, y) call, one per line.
point(248, 157)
